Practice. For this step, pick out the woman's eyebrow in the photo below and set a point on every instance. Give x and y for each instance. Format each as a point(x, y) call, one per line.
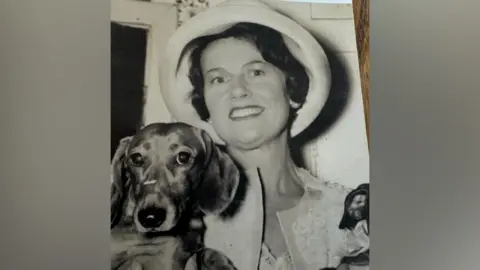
point(255, 62)
point(213, 70)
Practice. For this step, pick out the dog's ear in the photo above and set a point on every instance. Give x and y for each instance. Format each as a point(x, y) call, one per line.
point(220, 179)
point(119, 181)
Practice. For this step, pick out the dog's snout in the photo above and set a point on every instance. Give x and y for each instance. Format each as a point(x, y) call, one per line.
point(152, 217)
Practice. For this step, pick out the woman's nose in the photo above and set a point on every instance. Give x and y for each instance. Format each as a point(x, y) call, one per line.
point(240, 88)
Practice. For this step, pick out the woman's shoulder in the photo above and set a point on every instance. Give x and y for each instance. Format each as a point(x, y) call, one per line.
point(323, 199)
point(317, 219)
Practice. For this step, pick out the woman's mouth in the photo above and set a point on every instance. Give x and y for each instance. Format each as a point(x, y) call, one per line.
point(243, 113)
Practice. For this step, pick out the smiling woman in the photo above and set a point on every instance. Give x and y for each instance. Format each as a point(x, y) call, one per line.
point(268, 83)
point(255, 87)
point(255, 79)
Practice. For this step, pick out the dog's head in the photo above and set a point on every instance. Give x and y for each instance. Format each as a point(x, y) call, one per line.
point(164, 169)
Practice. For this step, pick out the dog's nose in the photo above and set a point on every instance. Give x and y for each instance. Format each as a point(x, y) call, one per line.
point(152, 217)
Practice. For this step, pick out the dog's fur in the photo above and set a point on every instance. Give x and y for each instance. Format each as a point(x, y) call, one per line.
point(176, 172)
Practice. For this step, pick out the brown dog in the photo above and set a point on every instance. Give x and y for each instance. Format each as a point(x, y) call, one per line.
point(165, 179)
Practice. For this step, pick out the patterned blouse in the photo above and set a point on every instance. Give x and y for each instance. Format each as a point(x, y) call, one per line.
point(310, 229)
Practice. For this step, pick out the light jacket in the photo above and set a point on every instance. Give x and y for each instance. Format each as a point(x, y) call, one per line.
point(310, 229)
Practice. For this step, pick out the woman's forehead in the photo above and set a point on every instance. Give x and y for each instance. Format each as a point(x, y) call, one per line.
point(229, 53)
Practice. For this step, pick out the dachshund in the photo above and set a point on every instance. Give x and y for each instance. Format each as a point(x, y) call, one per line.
point(165, 179)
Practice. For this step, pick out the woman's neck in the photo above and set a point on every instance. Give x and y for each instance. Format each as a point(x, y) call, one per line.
point(281, 183)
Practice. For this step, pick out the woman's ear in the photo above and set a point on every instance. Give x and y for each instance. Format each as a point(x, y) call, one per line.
point(219, 181)
point(119, 182)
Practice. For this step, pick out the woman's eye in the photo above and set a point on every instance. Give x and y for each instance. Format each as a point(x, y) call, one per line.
point(137, 159)
point(183, 158)
point(257, 72)
point(217, 80)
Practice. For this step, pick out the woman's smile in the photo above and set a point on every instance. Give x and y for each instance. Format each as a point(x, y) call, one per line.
point(244, 113)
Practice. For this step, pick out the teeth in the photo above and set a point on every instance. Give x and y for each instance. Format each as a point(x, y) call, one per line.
point(245, 112)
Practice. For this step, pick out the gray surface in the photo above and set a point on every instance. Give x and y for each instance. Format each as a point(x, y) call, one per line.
point(55, 134)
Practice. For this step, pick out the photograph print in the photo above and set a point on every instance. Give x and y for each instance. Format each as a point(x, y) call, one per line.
point(238, 136)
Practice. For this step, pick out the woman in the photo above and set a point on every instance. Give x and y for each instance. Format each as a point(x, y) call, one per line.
point(253, 79)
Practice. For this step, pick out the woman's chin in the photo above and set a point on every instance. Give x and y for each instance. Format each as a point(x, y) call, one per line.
point(246, 141)
point(249, 135)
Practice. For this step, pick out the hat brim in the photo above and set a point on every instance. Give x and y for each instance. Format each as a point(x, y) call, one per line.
point(176, 87)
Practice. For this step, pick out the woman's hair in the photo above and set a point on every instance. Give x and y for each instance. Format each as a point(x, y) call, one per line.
point(348, 222)
point(271, 46)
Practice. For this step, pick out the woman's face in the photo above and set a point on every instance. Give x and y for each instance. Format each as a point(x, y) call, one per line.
point(357, 207)
point(245, 95)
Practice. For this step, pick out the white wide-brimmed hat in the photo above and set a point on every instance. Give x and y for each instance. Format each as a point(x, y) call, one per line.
point(176, 87)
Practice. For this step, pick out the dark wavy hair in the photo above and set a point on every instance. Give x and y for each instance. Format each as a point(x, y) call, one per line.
point(271, 46)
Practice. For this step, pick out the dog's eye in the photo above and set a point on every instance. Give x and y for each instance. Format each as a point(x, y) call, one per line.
point(183, 158)
point(136, 159)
